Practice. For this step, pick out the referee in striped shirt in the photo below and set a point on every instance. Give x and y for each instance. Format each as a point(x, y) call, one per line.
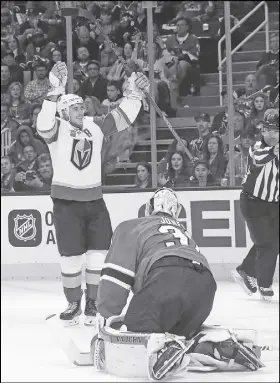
point(259, 204)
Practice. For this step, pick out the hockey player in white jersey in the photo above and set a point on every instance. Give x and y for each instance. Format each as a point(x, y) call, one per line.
point(81, 219)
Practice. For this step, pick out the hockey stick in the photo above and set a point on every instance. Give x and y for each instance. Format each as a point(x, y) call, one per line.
point(88, 15)
point(67, 344)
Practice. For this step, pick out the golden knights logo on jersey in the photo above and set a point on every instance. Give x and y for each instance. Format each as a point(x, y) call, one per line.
point(81, 153)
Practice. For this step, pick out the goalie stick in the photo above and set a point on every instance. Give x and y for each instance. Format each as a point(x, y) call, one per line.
point(88, 15)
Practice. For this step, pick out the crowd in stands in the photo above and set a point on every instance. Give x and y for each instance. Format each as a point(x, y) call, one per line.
point(33, 39)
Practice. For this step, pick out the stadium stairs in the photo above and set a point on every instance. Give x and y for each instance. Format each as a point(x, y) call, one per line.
point(244, 63)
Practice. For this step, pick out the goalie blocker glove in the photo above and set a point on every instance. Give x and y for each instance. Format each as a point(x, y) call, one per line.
point(175, 355)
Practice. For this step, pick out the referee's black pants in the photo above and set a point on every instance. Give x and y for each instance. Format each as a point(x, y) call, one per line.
point(262, 219)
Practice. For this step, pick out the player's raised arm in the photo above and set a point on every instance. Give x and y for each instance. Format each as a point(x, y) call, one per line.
point(47, 124)
point(125, 114)
point(118, 273)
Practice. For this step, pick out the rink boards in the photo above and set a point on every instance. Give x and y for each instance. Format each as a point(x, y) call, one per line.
point(213, 217)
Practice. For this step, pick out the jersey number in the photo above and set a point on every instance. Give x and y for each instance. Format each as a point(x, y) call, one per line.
point(180, 238)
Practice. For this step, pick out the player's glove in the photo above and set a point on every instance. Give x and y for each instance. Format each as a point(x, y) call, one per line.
point(137, 83)
point(142, 82)
point(58, 79)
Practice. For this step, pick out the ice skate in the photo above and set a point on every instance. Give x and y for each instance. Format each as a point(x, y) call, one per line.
point(71, 315)
point(90, 312)
point(248, 283)
point(266, 293)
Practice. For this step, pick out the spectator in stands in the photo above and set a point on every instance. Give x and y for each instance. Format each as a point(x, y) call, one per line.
point(117, 71)
point(19, 109)
point(107, 58)
point(15, 47)
point(80, 66)
point(114, 94)
point(37, 90)
point(268, 82)
point(125, 29)
point(242, 99)
point(271, 58)
point(213, 152)
point(34, 111)
point(175, 146)
point(220, 121)
point(8, 173)
point(25, 138)
point(7, 122)
point(55, 56)
point(77, 83)
point(94, 108)
point(5, 80)
point(247, 139)
point(83, 39)
point(39, 46)
point(42, 179)
point(26, 169)
point(95, 85)
point(140, 19)
point(16, 71)
point(185, 46)
point(162, 58)
point(259, 106)
point(109, 21)
point(201, 175)
point(143, 177)
point(203, 125)
point(177, 174)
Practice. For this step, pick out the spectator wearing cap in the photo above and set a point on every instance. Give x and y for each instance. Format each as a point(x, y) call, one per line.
point(36, 90)
point(95, 84)
point(241, 153)
point(16, 71)
point(185, 46)
point(213, 152)
point(38, 46)
point(83, 39)
point(203, 123)
point(202, 176)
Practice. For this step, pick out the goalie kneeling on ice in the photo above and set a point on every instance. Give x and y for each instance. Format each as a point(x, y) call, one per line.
point(129, 354)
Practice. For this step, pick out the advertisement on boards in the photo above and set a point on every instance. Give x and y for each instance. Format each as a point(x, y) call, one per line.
point(213, 218)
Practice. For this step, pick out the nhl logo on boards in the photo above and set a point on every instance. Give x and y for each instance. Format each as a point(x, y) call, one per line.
point(25, 228)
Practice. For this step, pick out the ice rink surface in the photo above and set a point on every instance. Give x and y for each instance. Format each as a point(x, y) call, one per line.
point(29, 352)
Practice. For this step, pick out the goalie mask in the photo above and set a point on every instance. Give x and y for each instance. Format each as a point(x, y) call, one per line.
point(163, 200)
point(64, 103)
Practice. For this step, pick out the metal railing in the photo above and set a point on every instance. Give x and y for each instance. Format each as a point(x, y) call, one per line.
point(264, 23)
point(6, 142)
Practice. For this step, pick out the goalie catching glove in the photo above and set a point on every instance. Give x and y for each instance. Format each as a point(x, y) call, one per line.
point(207, 351)
point(58, 79)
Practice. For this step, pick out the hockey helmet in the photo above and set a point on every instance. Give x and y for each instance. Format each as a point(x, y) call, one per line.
point(163, 200)
point(271, 119)
point(64, 103)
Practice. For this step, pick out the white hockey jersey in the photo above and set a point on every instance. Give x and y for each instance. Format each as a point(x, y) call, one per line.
point(76, 153)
